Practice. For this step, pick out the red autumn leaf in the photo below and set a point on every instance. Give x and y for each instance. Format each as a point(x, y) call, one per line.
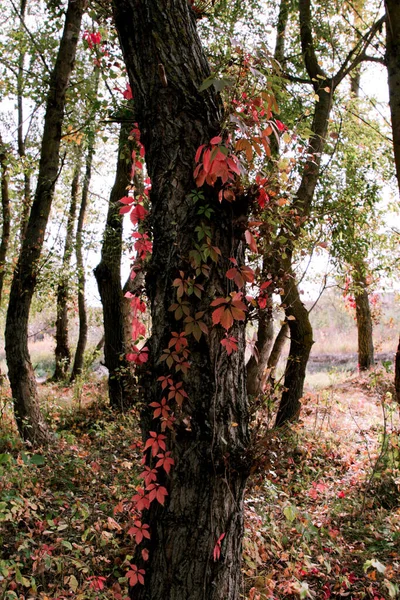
point(96, 583)
point(145, 554)
point(216, 140)
point(135, 575)
point(156, 442)
point(198, 153)
point(165, 461)
point(148, 475)
point(139, 531)
point(138, 213)
point(126, 200)
point(157, 492)
point(162, 408)
point(230, 344)
point(140, 500)
point(281, 126)
point(217, 547)
point(127, 94)
point(251, 241)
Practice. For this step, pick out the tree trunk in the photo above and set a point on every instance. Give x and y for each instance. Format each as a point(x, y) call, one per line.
point(6, 214)
point(20, 371)
point(80, 266)
point(397, 373)
point(364, 321)
point(108, 277)
point(301, 341)
point(26, 203)
point(393, 67)
point(276, 351)
point(166, 66)
point(62, 351)
point(256, 366)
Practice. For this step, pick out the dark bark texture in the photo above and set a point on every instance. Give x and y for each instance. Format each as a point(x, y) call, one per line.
point(62, 351)
point(166, 66)
point(20, 371)
point(6, 214)
point(108, 277)
point(397, 373)
point(393, 67)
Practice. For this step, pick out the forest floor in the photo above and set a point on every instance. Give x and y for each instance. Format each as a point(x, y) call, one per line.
point(322, 507)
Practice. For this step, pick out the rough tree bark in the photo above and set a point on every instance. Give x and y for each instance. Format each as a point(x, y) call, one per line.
point(166, 66)
point(22, 378)
point(6, 214)
point(393, 67)
point(62, 351)
point(80, 266)
point(364, 326)
point(108, 277)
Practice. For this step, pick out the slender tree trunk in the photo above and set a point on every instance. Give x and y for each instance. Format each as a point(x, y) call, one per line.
point(108, 277)
point(62, 351)
point(20, 371)
point(256, 366)
point(277, 349)
point(80, 266)
point(26, 204)
point(166, 66)
point(301, 341)
point(364, 320)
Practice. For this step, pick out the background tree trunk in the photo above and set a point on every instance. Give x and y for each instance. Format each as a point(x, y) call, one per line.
point(26, 204)
point(62, 351)
point(166, 66)
point(277, 349)
point(301, 341)
point(364, 321)
point(80, 265)
point(108, 277)
point(265, 337)
point(20, 371)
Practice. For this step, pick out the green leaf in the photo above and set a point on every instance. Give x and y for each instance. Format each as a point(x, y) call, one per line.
point(290, 512)
point(5, 458)
point(37, 459)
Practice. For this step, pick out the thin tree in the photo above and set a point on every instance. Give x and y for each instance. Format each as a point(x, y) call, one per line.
point(108, 277)
point(22, 378)
point(62, 350)
point(324, 87)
